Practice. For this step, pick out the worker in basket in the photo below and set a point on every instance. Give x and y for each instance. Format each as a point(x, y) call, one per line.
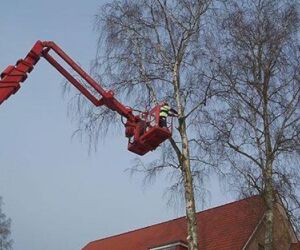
point(165, 111)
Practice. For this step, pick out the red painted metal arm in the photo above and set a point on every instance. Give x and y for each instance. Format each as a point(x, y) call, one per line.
point(12, 76)
point(143, 134)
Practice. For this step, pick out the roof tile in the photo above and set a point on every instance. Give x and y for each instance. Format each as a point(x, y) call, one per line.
point(226, 227)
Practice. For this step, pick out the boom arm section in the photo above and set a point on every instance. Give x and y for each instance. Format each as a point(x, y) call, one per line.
point(12, 76)
point(142, 130)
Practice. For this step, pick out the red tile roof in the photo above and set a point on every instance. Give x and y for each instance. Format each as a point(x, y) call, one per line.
point(227, 227)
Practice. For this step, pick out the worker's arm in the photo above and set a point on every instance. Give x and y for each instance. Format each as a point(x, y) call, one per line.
point(173, 112)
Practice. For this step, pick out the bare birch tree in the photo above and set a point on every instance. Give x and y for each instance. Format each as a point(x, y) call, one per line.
point(150, 51)
point(254, 125)
point(5, 241)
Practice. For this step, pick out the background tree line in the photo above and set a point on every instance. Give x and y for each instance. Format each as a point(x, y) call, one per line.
point(5, 224)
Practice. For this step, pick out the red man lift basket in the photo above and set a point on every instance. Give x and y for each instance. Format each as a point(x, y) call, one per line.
point(149, 135)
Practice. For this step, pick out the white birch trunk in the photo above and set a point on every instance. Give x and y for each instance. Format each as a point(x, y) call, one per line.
point(192, 237)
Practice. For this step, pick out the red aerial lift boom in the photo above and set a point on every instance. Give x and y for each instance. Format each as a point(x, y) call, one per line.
point(142, 130)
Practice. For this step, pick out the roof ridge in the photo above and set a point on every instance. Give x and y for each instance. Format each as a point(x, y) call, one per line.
point(138, 229)
point(230, 203)
point(173, 220)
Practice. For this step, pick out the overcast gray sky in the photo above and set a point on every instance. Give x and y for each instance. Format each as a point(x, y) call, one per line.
point(57, 195)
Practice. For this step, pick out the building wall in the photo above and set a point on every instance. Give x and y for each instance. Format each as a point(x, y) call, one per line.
point(283, 232)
